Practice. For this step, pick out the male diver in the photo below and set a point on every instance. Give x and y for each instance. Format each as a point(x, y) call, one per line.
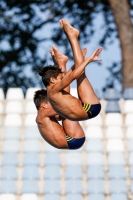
point(68, 136)
point(67, 106)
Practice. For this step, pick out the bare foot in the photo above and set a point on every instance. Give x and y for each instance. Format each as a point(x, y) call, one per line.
point(53, 57)
point(70, 31)
point(59, 58)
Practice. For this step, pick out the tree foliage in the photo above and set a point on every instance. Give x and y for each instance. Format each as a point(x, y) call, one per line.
point(20, 22)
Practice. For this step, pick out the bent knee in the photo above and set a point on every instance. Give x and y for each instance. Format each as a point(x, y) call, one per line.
point(94, 110)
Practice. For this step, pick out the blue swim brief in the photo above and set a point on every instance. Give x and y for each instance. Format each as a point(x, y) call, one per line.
point(74, 143)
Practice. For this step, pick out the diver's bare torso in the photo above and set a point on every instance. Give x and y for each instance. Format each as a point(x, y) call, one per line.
point(67, 105)
point(51, 131)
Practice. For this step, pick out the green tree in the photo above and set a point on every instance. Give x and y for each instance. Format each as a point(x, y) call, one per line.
point(19, 55)
point(21, 20)
point(121, 13)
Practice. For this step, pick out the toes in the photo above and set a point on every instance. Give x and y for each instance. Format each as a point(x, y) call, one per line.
point(53, 47)
point(64, 20)
point(50, 51)
point(61, 23)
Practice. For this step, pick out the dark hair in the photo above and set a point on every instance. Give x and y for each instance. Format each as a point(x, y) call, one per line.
point(40, 96)
point(48, 72)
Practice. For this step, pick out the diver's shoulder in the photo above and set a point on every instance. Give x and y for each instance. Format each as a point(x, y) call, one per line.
point(41, 119)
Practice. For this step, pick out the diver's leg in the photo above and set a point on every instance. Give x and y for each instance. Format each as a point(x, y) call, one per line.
point(84, 88)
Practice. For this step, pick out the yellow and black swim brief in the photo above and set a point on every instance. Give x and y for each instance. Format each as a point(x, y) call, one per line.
point(92, 110)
